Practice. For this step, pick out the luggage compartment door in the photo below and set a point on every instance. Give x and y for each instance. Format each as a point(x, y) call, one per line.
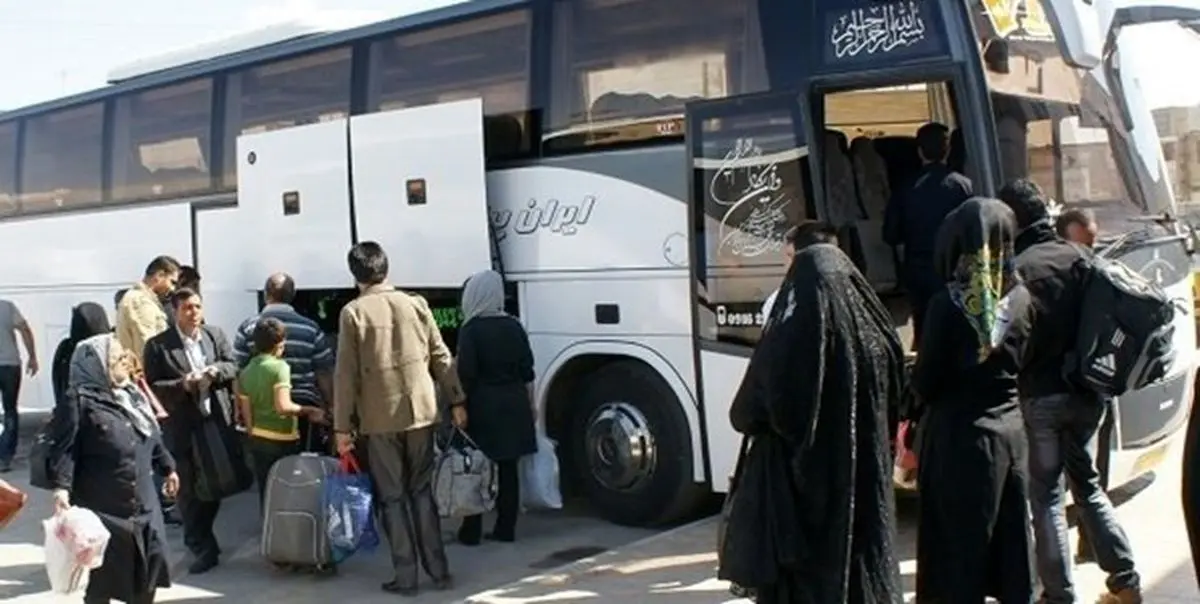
point(293, 210)
point(420, 191)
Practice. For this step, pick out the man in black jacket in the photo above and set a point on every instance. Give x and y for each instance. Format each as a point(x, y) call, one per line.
point(915, 213)
point(1060, 419)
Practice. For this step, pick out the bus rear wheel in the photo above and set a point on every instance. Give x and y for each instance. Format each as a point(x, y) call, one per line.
point(631, 445)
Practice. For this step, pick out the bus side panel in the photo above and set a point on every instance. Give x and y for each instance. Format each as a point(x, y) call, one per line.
point(722, 374)
point(601, 211)
point(230, 283)
point(294, 205)
point(55, 262)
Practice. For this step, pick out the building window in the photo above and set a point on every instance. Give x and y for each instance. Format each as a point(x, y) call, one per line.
point(161, 145)
point(8, 168)
point(486, 58)
point(622, 71)
point(63, 163)
point(305, 90)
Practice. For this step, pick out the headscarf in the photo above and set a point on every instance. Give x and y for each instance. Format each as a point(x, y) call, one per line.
point(976, 259)
point(98, 371)
point(87, 320)
point(483, 296)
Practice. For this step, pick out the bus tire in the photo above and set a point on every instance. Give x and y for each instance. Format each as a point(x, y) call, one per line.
point(632, 447)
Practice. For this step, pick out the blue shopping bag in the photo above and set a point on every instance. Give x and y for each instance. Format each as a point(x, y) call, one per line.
point(349, 521)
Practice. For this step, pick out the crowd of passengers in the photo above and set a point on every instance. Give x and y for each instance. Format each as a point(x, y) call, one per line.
point(994, 286)
point(132, 398)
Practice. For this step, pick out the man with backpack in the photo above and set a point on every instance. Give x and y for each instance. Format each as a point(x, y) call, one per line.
point(1061, 417)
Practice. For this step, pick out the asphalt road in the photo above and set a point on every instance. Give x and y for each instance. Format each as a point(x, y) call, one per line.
point(679, 566)
point(546, 540)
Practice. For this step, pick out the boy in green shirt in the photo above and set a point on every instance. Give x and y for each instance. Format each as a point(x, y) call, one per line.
point(264, 393)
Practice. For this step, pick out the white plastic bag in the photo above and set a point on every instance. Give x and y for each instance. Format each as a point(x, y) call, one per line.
point(539, 476)
point(75, 544)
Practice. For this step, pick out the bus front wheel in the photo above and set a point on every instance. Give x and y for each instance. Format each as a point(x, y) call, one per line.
point(631, 445)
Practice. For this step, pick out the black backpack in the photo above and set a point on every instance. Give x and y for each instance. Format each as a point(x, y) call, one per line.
point(1125, 339)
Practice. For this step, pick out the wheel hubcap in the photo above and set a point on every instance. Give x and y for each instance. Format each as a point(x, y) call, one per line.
point(620, 446)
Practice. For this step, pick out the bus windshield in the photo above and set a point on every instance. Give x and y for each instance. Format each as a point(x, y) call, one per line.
point(1091, 140)
point(1155, 62)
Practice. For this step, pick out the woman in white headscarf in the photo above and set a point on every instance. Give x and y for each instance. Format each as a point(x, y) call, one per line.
point(111, 449)
point(495, 365)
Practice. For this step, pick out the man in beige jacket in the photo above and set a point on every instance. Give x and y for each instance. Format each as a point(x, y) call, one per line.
point(389, 353)
point(140, 312)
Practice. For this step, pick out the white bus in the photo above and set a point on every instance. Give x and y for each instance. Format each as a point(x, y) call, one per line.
point(629, 165)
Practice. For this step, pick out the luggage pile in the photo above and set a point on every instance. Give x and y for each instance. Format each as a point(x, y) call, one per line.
point(316, 513)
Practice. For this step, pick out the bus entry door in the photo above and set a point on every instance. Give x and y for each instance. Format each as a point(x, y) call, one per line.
point(420, 191)
point(750, 182)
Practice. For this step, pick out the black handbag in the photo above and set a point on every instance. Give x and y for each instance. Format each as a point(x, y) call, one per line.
point(219, 461)
point(39, 460)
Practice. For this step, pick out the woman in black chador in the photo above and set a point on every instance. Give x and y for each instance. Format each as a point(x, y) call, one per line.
point(812, 518)
point(974, 537)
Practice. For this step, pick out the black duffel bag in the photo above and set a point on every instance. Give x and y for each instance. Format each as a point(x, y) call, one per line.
point(219, 461)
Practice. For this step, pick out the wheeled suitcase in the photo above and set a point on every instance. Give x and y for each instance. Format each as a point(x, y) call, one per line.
point(294, 523)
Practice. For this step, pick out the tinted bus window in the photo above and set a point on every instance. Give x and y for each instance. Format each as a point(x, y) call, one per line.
point(8, 168)
point(63, 159)
point(304, 90)
point(484, 58)
point(161, 143)
point(622, 71)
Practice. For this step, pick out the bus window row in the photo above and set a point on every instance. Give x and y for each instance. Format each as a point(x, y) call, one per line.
point(614, 72)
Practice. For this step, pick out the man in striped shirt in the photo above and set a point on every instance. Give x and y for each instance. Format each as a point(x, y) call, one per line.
point(307, 352)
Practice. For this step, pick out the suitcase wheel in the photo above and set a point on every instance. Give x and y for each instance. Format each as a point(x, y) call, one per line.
point(326, 570)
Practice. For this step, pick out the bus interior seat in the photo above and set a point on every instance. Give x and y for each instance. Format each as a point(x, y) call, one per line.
point(845, 209)
point(870, 171)
point(957, 160)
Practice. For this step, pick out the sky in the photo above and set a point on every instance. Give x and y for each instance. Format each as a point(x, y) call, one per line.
point(52, 48)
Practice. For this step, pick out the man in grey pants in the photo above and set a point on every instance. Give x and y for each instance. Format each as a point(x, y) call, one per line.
point(389, 353)
point(1061, 421)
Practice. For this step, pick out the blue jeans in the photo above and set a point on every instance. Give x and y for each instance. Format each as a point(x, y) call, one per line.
point(10, 388)
point(1062, 438)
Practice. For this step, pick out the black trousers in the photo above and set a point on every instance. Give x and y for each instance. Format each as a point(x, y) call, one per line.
point(401, 466)
point(10, 388)
point(508, 505)
point(197, 516)
point(264, 452)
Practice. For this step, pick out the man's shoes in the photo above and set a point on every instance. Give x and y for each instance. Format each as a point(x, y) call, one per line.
point(203, 564)
point(171, 516)
point(1127, 595)
point(5, 466)
point(443, 584)
point(394, 587)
